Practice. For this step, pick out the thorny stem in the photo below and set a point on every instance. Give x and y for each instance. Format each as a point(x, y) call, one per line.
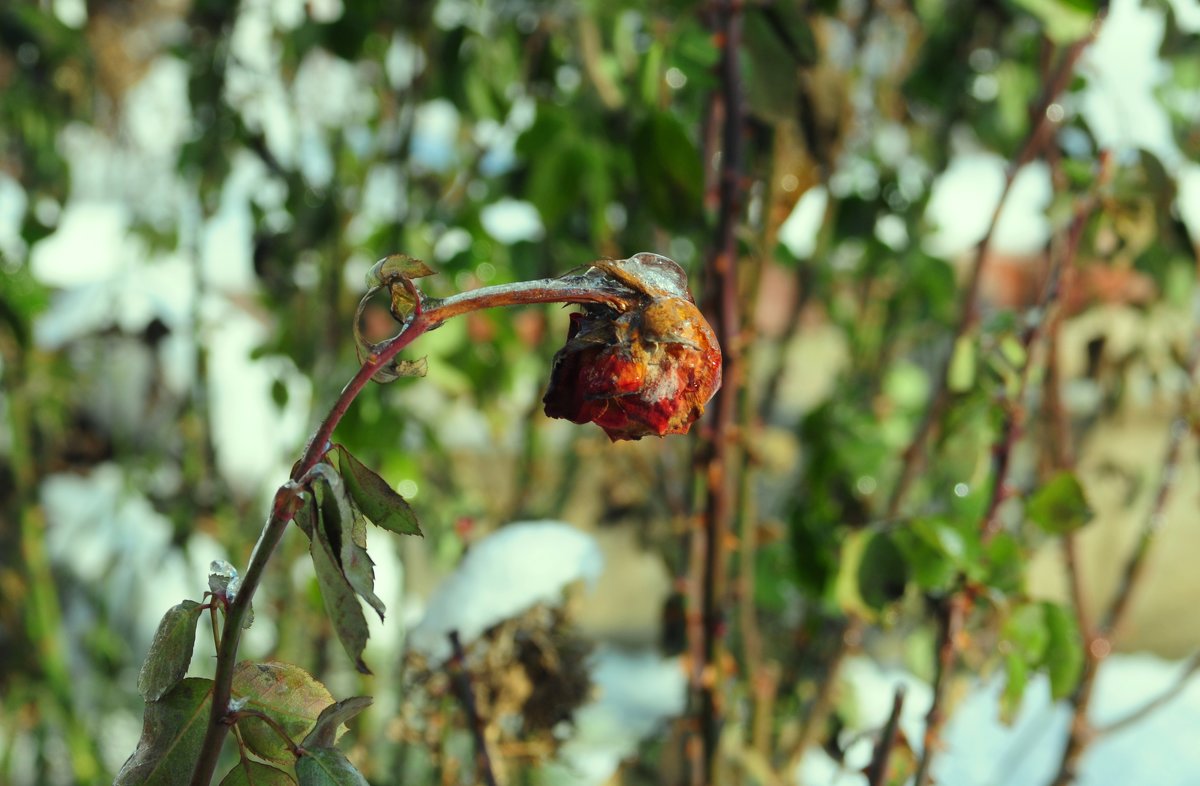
point(709, 583)
point(457, 666)
point(575, 289)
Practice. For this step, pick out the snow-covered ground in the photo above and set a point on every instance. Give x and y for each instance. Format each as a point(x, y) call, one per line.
point(981, 751)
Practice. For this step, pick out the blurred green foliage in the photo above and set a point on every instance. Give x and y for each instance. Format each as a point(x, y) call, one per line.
point(596, 115)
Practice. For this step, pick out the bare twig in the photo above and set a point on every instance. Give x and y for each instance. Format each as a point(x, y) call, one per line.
point(878, 769)
point(461, 678)
point(1046, 313)
point(1063, 459)
point(1190, 668)
point(823, 703)
point(950, 621)
point(1132, 573)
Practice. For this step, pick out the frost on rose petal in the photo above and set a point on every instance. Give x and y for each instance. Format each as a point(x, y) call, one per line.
point(647, 369)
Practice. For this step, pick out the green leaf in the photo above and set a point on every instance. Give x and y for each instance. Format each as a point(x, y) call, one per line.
point(1013, 351)
point(327, 767)
point(960, 377)
point(1025, 641)
point(396, 266)
point(343, 532)
point(253, 773)
point(669, 171)
point(693, 47)
point(785, 25)
point(341, 601)
point(1065, 21)
point(324, 732)
point(883, 572)
point(1002, 566)
point(378, 501)
point(1059, 506)
point(306, 517)
point(171, 651)
point(934, 551)
point(1064, 650)
point(1017, 672)
point(287, 693)
point(172, 733)
point(1025, 632)
point(1019, 85)
point(652, 70)
point(358, 566)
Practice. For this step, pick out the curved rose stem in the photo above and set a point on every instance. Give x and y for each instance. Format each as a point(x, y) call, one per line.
point(576, 289)
point(546, 290)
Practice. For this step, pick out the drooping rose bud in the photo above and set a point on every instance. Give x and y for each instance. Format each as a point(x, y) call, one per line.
point(647, 369)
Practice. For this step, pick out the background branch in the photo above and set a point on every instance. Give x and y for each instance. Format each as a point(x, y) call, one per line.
point(953, 609)
point(720, 462)
point(878, 770)
point(1098, 644)
point(461, 678)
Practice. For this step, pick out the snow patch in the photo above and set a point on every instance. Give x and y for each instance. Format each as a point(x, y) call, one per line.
point(636, 693)
point(964, 197)
point(502, 575)
point(512, 220)
point(799, 232)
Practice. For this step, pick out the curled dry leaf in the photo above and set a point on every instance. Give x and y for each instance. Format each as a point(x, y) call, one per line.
point(395, 274)
point(648, 369)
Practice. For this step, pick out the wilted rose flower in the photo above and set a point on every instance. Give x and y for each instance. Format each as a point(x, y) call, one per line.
point(647, 369)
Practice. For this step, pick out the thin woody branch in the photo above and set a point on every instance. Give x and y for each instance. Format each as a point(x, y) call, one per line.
point(1174, 690)
point(1098, 644)
point(913, 460)
point(877, 771)
point(461, 678)
point(953, 609)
